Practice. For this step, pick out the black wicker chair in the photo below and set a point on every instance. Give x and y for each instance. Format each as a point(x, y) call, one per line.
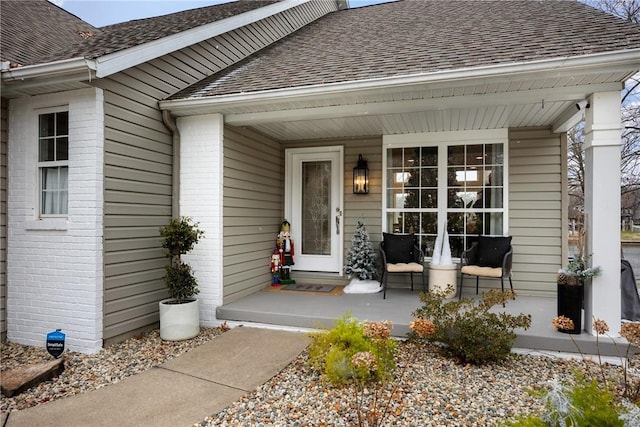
point(400, 254)
point(489, 257)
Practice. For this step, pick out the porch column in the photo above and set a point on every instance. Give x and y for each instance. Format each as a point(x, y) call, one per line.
point(201, 144)
point(602, 208)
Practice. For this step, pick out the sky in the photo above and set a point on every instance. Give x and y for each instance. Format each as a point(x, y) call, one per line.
point(106, 12)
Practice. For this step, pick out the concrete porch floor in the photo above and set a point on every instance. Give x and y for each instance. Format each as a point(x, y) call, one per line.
point(308, 310)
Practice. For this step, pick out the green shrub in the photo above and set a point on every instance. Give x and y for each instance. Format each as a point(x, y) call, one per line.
point(181, 282)
point(468, 329)
point(353, 351)
point(530, 421)
point(584, 405)
point(179, 237)
point(595, 405)
point(589, 402)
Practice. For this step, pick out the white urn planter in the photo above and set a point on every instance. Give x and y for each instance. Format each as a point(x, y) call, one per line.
point(441, 276)
point(179, 321)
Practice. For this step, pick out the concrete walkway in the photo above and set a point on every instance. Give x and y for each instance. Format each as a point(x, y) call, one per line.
point(182, 391)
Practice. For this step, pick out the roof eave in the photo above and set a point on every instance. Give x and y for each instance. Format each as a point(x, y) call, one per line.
point(43, 78)
point(50, 70)
point(609, 61)
point(127, 58)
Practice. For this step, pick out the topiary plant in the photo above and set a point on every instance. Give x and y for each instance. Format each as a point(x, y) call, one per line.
point(179, 238)
point(468, 329)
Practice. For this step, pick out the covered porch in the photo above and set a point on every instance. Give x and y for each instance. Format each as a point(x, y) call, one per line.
point(313, 311)
point(251, 194)
point(495, 131)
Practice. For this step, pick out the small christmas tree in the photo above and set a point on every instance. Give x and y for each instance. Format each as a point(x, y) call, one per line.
point(361, 259)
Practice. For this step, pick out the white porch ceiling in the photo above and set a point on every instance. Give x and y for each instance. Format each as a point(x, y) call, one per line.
point(425, 108)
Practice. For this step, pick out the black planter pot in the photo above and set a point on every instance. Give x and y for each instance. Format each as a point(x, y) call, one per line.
point(570, 299)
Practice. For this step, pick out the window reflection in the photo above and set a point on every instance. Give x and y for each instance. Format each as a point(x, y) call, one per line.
point(474, 192)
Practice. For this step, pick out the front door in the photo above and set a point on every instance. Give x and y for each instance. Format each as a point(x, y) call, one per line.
point(313, 206)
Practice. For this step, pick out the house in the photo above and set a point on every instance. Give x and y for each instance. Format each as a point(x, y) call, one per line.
point(243, 114)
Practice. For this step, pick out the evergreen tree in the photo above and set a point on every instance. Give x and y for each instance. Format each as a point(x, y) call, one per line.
point(361, 259)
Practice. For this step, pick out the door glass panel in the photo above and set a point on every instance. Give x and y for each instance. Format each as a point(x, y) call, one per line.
point(316, 204)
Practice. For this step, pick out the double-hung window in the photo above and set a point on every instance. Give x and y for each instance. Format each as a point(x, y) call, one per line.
point(53, 163)
point(459, 184)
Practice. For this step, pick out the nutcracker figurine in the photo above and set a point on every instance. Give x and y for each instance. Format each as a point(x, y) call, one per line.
point(286, 251)
point(275, 267)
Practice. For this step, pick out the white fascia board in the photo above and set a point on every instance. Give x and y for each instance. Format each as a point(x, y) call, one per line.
point(610, 61)
point(127, 58)
point(52, 70)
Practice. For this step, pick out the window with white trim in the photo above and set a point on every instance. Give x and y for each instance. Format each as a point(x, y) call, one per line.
point(53, 163)
point(457, 183)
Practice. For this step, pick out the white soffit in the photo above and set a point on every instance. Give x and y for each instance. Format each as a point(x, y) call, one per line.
point(118, 61)
point(477, 100)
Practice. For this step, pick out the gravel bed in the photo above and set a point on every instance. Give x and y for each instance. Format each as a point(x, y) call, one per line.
point(89, 372)
point(428, 389)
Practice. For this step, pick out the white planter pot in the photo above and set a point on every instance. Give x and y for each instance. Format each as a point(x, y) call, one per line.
point(442, 275)
point(179, 321)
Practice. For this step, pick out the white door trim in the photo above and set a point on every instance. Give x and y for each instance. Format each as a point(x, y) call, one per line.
point(291, 201)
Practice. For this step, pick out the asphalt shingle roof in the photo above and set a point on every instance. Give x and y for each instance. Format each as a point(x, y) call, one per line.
point(117, 37)
point(419, 36)
point(31, 30)
point(57, 31)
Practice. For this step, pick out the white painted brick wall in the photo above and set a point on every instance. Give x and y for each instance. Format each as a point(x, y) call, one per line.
point(54, 265)
point(201, 181)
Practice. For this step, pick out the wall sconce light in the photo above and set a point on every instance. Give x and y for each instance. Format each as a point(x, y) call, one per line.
point(361, 177)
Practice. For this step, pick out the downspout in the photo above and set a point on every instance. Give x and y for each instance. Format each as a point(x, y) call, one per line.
point(170, 122)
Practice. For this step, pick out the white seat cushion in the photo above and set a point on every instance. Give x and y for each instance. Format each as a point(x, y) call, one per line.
point(412, 267)
point(475, 270)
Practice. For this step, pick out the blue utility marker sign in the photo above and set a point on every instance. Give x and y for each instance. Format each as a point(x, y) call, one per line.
point(55, 343)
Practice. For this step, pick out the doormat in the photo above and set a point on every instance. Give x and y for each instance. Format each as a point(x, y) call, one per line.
point(307, 289)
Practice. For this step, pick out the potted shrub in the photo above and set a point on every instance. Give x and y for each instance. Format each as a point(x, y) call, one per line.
point(570, 285)
point(179, 314)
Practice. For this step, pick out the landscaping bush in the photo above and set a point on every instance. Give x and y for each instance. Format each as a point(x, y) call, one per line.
point(353, 351)
point(590, 402)
point(584, 405)
point(468, 330)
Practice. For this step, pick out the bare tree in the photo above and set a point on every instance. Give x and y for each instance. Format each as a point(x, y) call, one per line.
point(575, 159)
point(628, 10)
